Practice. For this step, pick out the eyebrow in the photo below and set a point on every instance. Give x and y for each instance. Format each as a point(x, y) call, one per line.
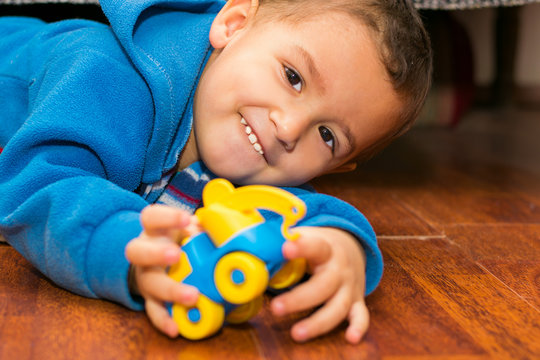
point(313, 71)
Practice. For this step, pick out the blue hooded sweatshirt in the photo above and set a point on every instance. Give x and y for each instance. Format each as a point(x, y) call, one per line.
point(89, 113)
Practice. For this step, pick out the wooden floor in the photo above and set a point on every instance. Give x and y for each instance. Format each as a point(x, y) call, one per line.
point(457, 213)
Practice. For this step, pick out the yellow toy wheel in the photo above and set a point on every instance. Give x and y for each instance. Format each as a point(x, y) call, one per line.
point(245, 311)
point(199, 321)
point(240, 277)
point(291, 273)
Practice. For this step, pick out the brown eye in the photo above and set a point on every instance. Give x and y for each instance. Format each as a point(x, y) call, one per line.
point(327, 136)
point(294, 79)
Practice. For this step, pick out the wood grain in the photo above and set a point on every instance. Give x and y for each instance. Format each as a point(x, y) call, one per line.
point(511, 253)
point(498, 319)
point(457, 213)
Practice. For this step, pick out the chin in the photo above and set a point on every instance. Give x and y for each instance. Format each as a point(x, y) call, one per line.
point(236, 176)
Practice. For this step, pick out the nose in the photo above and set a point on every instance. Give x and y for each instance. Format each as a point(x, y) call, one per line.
point(289, 127)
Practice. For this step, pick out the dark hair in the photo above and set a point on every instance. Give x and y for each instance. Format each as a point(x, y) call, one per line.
point(402, 41)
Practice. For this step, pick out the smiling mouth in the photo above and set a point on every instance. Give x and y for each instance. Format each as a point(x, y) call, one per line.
point(252, 137)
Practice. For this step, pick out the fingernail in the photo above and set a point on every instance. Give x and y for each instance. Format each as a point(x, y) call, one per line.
point(300, 333)
point(278, 308)
point(189, 295)
point(353, 336)
point(289, 250)
point(171, 255)
point(183, 218)
point(172, 330)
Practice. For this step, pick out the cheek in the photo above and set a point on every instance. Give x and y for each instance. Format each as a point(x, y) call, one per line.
point(304, 168)
point(254, 78)
point(219, 160)
point(215, 142)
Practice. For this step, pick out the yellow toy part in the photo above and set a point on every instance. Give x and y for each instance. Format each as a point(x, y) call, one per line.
point(240, 277)
point(181, 269)
point(244, 312)
point(289, 274)
point(228, 210)
point(200, 321)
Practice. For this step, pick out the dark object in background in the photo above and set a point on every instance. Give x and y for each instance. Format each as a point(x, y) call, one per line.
point(453, 89)
point(54, 11)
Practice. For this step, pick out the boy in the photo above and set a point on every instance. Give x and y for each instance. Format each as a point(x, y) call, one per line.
point(103, 121)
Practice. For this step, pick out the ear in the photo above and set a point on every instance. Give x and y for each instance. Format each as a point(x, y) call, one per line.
point(350, 166)
point(231, 18)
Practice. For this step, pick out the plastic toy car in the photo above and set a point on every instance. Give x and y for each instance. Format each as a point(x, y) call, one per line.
point(237, 256)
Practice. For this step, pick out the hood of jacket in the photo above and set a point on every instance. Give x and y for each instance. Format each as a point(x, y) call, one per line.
point(167, 40)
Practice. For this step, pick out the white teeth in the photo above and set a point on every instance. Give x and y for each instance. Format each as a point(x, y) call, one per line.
point(252, 137)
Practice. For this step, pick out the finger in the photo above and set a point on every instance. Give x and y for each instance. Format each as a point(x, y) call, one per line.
point(160, 219)
point(312, 248)
point(154, 283)
point(358, 322)
point(152, 253)
point(324, 319)
point(159, 316)
point(306, 295)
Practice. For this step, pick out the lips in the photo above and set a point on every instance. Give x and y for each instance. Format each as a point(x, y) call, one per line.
point(252, 137)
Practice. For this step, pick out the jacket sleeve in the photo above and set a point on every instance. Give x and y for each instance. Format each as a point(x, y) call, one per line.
point(328, 211)
point(68, 174)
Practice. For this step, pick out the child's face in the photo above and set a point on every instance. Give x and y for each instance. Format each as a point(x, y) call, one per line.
point(281, 104)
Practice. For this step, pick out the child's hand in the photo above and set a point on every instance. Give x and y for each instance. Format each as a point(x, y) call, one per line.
point(150, 253)
point(337, 264)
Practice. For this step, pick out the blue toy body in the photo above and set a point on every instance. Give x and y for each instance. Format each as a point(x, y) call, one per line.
point(263, 240)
